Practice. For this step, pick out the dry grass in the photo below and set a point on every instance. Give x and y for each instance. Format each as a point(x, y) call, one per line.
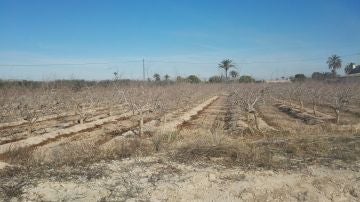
point(163, 140)
point(73, 161)
point(78, 162)
point(12, 181)
point(220, 148)
point(277, 152)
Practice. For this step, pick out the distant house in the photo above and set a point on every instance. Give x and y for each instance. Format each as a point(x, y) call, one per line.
point(355, 70)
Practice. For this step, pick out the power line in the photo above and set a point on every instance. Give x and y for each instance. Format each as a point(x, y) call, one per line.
point(279, 60)
point(67, 64)
point(297, 60)
point(52, 64)
point(182, 62)
point(255, 62)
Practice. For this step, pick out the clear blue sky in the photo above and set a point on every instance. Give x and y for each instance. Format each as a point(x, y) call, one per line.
point(266, 39)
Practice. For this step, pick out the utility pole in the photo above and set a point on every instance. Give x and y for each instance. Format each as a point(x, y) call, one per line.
point(143, 69)
point(147, 73)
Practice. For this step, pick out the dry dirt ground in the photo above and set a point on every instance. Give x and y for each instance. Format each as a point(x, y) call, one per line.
point(159, 179)
point(214, 155)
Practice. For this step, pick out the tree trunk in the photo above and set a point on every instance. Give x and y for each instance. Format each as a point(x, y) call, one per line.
point(314, 109)
point(226, 77)
point(301, 105)
point(247, 117)
point(256, 121)
point(81, 121)
point(165, 119)
point(337, 113)
point(30, 129)
point(141, 123)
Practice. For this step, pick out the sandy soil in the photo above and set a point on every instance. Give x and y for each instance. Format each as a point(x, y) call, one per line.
point(158, 179)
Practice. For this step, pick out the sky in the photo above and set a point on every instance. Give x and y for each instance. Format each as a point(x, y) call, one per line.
point(91, 39)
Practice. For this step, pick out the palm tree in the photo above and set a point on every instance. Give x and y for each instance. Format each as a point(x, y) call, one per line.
point(116, 76)
point(349, 67)
point(166, 77)
point(334, 63)
point(226, 65)
point(234, 74)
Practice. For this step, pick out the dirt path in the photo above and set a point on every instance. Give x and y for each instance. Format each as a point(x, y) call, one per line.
point(209, 117)
point(220, 115)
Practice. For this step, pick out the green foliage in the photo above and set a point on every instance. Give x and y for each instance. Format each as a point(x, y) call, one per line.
point(193, 79)
point(322, 76)
point(157, 77)
point(317, 75)
point(299, 78)
point(234, 74)
point(226, 65)
point(246, 79)
point(215, 79)
point(349, 67)
point(334, 63)
point(180, 79)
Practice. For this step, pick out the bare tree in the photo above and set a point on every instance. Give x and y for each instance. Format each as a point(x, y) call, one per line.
point(338, 98)
point(29, 115)
point(139, 100)
point(247, 98)
point(299, 94)
point(314, 91)
point(82, 104)
point(290, 91)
